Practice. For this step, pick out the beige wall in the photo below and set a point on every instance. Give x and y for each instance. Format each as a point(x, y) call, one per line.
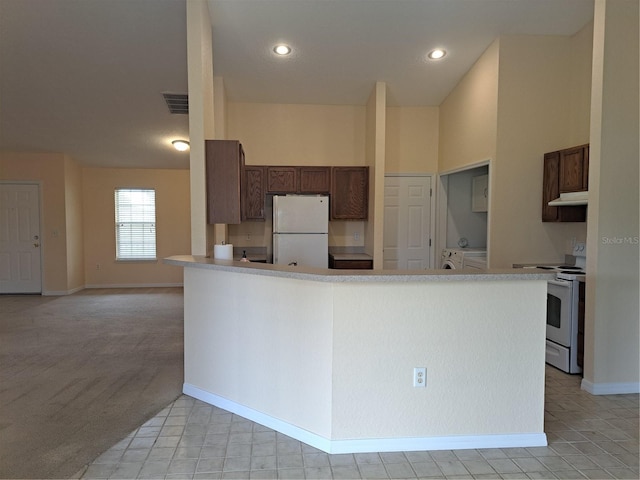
point(412, 140)
point(468, 116)
point(525, 96)
point(278, 134)
point(375, 160)
point(172, 219)
point(201, 117)
point(612, 353)
point(47, 169)
point(283, 134)
point(535, 111)
point(581, 45)
point(74, 224)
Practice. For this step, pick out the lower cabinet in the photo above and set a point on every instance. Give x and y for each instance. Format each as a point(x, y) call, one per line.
point(343, 261)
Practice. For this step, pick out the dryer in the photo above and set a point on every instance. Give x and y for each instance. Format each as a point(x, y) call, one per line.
point(475, 263)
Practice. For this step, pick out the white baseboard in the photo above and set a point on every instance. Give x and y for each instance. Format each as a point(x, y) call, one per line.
point(365, 445)
point(54, 293)
point(135, 285)
point(610, 388)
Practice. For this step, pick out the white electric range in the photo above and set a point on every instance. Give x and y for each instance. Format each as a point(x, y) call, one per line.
point(562, 312)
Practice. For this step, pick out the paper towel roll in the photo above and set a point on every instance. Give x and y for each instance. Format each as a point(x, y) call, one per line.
point(223, 252)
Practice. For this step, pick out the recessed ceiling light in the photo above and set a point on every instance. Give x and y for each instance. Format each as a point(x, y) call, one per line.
point(282, 49)
point(180, 145)
point(436, 54)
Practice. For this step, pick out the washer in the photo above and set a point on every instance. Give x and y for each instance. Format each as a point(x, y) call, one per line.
point(454, 258)
point(451, 259)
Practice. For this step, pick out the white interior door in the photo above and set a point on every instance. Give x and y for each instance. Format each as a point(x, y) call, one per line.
point(20, 261)
point(407, 222)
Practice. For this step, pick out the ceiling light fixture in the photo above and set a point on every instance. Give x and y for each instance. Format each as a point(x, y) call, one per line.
point(180, 145)
point(436, 54)
point(282, 49)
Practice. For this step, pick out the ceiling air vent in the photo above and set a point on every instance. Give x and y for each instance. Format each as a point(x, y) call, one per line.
point(177, 102)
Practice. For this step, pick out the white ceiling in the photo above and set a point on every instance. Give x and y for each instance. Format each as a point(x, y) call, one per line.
point(85, 77)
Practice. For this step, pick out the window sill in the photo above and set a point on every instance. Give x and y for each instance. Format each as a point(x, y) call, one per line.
point(136, 260)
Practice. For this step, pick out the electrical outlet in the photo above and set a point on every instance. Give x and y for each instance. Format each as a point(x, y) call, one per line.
point(248, 236)
point(97, 266)
point(420, 377)
point(356, 236)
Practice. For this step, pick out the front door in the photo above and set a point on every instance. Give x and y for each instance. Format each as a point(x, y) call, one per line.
point(407, 222)
point(20, 263)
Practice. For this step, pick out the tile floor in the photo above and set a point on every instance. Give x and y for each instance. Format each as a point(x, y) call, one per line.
point(589, 437)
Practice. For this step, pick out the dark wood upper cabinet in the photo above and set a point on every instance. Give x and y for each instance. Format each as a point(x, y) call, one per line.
point(223, 160)
point(349, 193)
point(565, 171)
point(253, 192)
point(302, 180)
point(237, 192)
point(574, 169)
point(315, 179)
point(282, 179)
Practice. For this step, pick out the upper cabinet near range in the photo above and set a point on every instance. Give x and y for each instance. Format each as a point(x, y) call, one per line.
point(565, 171)
point(574, 169)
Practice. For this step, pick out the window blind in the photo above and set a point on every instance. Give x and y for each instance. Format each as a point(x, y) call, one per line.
point(135, 224)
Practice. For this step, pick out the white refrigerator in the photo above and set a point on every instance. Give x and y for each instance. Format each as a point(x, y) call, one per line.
point(301, 230)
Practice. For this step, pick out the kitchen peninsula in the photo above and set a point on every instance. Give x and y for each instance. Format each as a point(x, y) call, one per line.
point(328, 356)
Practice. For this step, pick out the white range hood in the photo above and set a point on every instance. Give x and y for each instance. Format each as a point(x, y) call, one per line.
point(570, 198)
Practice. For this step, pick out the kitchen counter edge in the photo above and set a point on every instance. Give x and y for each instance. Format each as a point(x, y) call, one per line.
point(330, 275)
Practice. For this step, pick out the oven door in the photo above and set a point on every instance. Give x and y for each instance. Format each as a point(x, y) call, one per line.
point(559, 312)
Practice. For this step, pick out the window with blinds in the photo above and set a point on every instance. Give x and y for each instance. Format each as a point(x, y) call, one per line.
point(135, 224)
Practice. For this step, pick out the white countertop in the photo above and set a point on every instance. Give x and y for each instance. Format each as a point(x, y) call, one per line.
point(332, 275)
